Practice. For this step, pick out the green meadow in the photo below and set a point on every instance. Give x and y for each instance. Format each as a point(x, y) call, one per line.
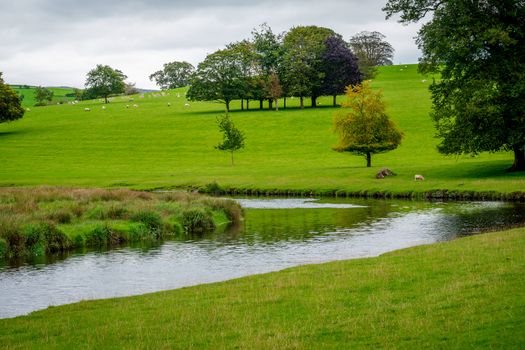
point(59, 94)
point(463, 294)
point(159, 146)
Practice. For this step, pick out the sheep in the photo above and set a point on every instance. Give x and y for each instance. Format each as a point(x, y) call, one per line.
point(418, 177)
point(424, 81)
point(135, 105)
point(169, 104)
point(87, 109)
point(186, 104)
point(103, 107)
point(127, 106)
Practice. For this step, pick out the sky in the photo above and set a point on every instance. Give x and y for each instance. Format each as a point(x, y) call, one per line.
point(56, 42)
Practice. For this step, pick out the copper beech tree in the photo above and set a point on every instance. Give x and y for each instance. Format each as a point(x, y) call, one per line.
point(363, 126)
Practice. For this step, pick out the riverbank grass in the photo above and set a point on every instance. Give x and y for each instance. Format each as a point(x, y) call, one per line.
point(37, 221)
point(463, 294)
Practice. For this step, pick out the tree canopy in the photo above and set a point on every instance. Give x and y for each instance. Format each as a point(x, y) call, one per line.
point(43, 96)
point(103, 81)
point(174, 75)
point(363, 126)
point(10, 105)
point(477, 47)
point(371, 50)
point(232, 138)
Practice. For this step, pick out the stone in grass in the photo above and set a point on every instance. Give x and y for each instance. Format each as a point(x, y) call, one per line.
point(384, 173)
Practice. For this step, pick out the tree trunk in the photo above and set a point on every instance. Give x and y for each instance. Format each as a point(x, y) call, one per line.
point(227, 105)
point(270, 104)
point(314, 101)
point(106, 99)
point(232, 157)
point(277, 105)
point(302, 103)
point(519, 159)
point(247, 104)
point(335, 100)
point(368, 159)
point(260, 104)
point(242, 104)
point(284, 102)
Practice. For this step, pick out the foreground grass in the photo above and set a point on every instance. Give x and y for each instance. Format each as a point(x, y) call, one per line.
point(462, 294)
point(156, 145)
point(36, 221)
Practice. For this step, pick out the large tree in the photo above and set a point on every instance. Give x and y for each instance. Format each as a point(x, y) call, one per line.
point(103, 81)
point(340, 67)
point(478, 48)
point(303, 60)
point(43, 96)
point(363, 126)
point(218, 78)
point(173, 75)
point(10, 105)
point(372, 50)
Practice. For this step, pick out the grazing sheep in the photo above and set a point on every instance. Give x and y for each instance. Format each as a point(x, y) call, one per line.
point(418, 177)
point(103, 107)
point(424, 81)
point(87, 109)
point(169, 104)
point(127, 106)
point(186, 104)
point(135, 105)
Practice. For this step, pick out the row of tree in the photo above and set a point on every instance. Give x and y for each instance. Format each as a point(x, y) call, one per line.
point(306, 61)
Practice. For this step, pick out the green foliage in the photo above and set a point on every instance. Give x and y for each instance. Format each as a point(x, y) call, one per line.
point(197, 220)
point(372, 51)
point(151, 219)
point(173, 75)
point(232, 138)
point(363, 126)
point(10, 104)
point(43, 96)
point(478, 49)
point(103, 81)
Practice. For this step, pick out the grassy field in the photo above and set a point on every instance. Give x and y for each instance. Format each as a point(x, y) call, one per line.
point(59, 94)
point(463, 294)
point(156, 145)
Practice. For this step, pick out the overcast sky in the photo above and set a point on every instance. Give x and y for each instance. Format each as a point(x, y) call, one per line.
point(56, 42)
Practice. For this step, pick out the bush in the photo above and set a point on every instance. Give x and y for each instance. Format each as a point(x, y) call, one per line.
point(151, 219)
point(197, 220)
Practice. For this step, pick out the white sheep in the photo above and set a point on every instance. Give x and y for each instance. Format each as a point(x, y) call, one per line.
point(87, 109)
point(424, 81)
point(135, 105)
point(103, 107)
point(169, 104)
point(418, 177)
point(186, 104)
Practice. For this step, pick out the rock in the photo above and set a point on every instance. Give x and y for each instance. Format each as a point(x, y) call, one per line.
point(384, 173)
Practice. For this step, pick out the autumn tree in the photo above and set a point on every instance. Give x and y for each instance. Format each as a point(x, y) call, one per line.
point(10, 105)
point(478, 50)
point(363, 126)
point(372, 50)
point(173, 75)
point(103, 81)
point(232, 138)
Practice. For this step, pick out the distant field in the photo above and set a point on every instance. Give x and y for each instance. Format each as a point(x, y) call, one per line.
point(29, 94)
point(156, 145)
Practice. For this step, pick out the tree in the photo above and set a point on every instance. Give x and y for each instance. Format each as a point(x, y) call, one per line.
point(174, 75)
point(130, 89)
point(218, 78)
point(477, 47)
point(363, 126)
point(371, 50)
point(43, 96)
point(339, 67)
point(10, 105)
point(304, 49)
point(232, 138)
point(103, 81)
point(274, 89)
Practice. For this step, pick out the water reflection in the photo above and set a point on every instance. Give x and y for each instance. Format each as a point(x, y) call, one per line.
point(269, 239)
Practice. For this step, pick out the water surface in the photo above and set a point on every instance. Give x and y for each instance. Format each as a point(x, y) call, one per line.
point(276, 234)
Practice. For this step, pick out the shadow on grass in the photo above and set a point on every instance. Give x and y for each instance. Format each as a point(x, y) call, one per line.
point(257, 110)
point(479, 170)
point(11, 133)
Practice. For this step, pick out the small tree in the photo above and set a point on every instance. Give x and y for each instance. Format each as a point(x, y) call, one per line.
point(173, 75)
point(103, 81)
point(10, 106)
point(363, 126)
point(232, 138)
point(43, 96)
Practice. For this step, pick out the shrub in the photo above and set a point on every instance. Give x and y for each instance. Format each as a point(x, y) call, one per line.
point(151, 219)
point(197, 220)
point(60, 216)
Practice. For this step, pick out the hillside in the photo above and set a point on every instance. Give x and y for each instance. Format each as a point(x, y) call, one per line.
point(29, 94)
point(156, 145)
